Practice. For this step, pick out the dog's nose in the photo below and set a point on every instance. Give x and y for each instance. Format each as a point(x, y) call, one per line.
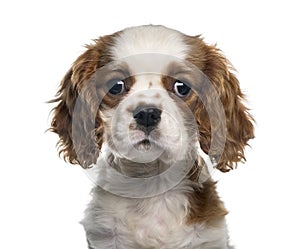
point(147, 116)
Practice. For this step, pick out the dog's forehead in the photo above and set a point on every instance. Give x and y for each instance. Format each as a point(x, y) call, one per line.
point(149, 40)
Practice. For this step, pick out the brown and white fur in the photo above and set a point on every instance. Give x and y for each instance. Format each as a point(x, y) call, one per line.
point(106, 129)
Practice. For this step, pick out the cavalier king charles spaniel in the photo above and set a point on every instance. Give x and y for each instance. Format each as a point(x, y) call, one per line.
point(149, 113)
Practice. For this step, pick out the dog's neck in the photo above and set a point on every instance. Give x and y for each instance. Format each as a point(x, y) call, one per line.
point(126, 178)
point(137, 169)
point(147, 169)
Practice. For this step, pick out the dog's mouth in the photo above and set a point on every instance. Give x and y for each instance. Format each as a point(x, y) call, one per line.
point(143, 141)
point(143, 145)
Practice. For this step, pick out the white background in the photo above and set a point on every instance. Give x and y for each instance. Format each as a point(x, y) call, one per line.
point(42, 198)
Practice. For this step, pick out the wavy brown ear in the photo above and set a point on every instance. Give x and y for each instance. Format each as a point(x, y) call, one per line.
point(76, 117)
point(239, 127)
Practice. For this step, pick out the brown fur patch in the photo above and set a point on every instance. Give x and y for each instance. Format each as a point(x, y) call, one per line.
point(205, 204)
point(238, 121)
point(77, 82)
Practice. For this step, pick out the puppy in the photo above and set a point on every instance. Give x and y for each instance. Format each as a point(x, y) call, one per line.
point(149, 113)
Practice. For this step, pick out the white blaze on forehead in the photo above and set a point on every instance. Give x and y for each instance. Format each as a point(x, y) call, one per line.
point(149, 39)
point(147, 81)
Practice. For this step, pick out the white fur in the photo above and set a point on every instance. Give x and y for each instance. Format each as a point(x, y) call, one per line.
point(157, 222)
point(149, 39)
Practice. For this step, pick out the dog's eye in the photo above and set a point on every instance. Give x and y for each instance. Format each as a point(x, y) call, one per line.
point(181, 89)
point(117, 87)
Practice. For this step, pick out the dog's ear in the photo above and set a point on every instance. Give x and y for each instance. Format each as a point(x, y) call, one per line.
point(239, 123)
point(76, 118)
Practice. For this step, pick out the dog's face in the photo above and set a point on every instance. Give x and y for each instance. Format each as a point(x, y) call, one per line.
point(144, 92)
point(147, 123)
point(149, 118)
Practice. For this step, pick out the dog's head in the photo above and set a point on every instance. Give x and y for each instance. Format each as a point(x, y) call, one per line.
point(150, 92)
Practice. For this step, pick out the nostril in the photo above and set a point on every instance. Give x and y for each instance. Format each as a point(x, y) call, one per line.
point(147, 116)
point(154, 115)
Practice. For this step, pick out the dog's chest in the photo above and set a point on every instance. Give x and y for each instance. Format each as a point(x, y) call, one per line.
point(156, 220)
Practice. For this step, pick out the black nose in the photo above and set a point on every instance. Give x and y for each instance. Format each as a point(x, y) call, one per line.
point(147, 116)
